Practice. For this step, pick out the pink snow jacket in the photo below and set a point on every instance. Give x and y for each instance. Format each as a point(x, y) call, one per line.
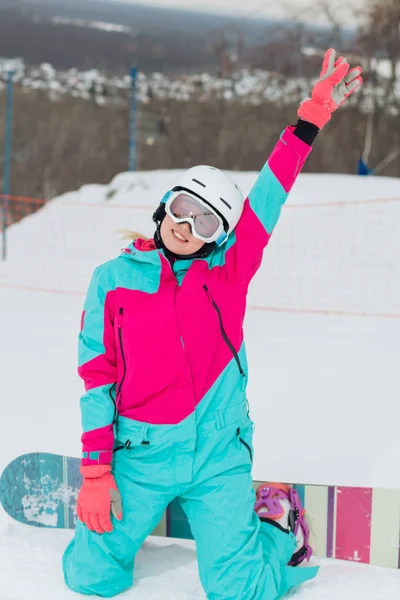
point(157, 340)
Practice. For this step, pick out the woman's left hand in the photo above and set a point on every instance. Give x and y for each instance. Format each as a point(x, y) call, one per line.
point(336, 83)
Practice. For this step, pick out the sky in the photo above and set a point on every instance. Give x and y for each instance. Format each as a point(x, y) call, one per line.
point(257, 8)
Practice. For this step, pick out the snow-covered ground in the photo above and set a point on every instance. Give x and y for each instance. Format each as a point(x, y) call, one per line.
point(331, 380)
point(323, 376)
point(328, 372)
point(165, 570)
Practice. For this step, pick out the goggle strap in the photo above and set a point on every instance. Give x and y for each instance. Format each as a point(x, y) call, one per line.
point(221, 239)
point(166, 197)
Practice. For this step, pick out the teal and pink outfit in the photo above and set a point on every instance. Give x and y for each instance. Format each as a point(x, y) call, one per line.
point(163, 359)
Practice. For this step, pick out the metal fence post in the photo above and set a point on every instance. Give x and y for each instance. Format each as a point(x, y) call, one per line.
point(7, 160)
point(132, 122)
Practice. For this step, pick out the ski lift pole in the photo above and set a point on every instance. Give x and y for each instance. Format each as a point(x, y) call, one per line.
point(368, 138)
point(7, 160)
point(132, 122)
point(387, 160)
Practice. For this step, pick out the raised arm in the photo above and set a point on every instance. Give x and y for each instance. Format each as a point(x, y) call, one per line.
point(263, 206)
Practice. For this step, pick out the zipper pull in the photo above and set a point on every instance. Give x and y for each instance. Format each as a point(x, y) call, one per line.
point(120, 314)
point(126, 446)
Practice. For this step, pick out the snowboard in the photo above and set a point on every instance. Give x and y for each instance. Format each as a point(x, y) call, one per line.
point(350, 523)
point(41, 489)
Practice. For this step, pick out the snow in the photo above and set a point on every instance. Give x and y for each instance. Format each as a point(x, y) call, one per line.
point(39, 377)
point(251, 86)
point(323, 380)
point(316, 361)
point(41, 502)
point(100, 25)
point(357, 240)
point(165, 569)
point(331, 366)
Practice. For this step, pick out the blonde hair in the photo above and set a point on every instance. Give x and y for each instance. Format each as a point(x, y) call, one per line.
point(127, 234)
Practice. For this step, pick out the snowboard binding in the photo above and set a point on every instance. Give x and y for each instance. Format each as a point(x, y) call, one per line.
point(281, 505)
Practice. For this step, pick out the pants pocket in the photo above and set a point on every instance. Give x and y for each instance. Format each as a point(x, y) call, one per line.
point(244, 435)
point(142, 458)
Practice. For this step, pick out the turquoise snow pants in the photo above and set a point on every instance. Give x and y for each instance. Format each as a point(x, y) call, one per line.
point(206, 462)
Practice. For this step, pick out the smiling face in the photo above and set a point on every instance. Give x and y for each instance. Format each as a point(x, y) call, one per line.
point(178, 238)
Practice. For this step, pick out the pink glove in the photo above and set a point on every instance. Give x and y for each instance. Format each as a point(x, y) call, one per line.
point(98, 497)
point(336, 83)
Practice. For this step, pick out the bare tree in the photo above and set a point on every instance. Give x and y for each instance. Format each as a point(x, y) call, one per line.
point(380, 37)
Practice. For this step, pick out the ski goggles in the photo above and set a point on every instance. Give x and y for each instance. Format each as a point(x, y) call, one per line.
point(206, 225)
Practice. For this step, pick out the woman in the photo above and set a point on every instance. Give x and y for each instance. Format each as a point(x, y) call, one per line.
point(165, 412)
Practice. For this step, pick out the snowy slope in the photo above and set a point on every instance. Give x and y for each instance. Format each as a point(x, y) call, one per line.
point(329, 379)
point(334, 249)
point(330, 366)
point(165, 569)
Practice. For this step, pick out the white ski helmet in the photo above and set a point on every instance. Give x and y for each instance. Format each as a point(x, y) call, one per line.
point(217, 189)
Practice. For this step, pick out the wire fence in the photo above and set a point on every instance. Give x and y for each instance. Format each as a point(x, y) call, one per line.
point(338, 258)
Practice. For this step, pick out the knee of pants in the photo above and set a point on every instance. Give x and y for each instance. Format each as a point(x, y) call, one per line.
point(103, 564)
point(232, 565)
point(237, 559)
point(234, 577)
point(91, 567)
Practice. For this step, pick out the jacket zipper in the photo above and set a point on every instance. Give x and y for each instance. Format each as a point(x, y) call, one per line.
point(245, 444)
point(121, 346)
point(110, 393)
point(183, 343)
point(223, 332)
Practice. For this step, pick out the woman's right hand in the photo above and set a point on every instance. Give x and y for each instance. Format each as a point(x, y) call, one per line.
point(336, 83)
point(98, 497)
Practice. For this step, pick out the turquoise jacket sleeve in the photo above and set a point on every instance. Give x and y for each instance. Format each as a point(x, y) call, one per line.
point(98, 369)
point(263, 206)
